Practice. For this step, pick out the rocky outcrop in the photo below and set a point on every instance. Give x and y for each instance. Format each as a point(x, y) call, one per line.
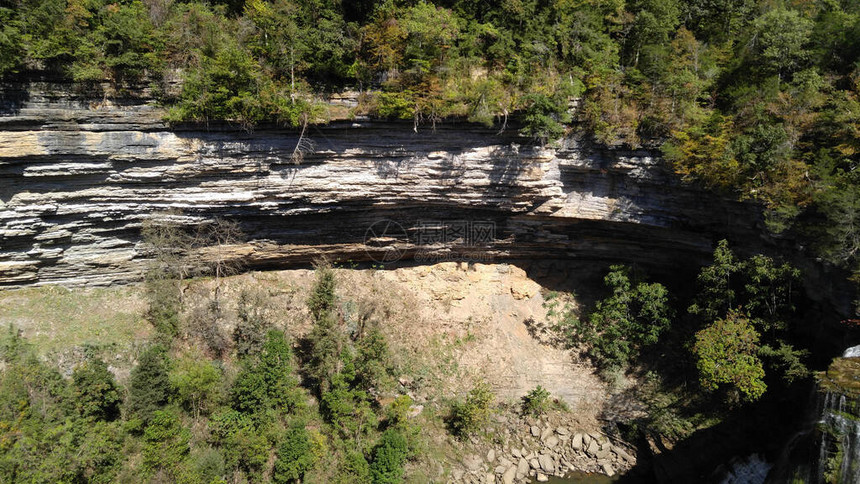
point(81, 174)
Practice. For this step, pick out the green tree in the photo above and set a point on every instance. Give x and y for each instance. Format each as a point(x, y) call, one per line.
point(727, 356)
point(196, 384)
point(95, 391)
point(389, 456)
point(149, 383)
point(781, 37)
point(543, 117)
point(165, 444)
point(244, 447)
point(323, 294)
point(716, 293)
point(294, 455)
point(630, 318)
point(354, 468)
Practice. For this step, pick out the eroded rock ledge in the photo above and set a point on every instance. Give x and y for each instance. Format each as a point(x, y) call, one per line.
point(81, 174)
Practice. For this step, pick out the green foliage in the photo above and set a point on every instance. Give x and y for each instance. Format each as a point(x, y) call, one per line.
point(266, 381)
point(250, 332)
point(664, 409)
point(632, 317)
point(727, 354)
point(736, 293)
point(781, 37)
point(294, 455)
point(354, 468)
point(95, 391)
point(196, 384)
point(205, 466)
point(165, 444)
point(543, 117)
point(346, 407)
point(149, 383)
point(372, 360)
point(398, 412)
point(468, 416)
point(243, 446)
point(717, 295)
point(536, 402)
point(322, 298)
point(328, 343)
point(389, 456)
point(164, 305)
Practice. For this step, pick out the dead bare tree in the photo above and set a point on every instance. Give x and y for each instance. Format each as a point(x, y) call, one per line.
point(304, 145)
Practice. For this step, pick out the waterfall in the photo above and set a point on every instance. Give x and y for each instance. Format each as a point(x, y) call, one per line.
point(839, 453)
point(827, 449)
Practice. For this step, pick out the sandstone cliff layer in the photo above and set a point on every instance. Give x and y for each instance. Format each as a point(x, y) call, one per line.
point(81, 173)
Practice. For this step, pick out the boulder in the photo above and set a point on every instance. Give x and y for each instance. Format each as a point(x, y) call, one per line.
point(535, 430)
point(491, 456)
point(509, 475)
point(473, 462)
point(522, 468)
point(603, 452)
point(607, 469)
point(576, 444)
point(593, 448)
point(547, 433)
point(546, 463)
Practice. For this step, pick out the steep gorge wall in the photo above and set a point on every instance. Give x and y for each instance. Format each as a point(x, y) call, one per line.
point(80, 174)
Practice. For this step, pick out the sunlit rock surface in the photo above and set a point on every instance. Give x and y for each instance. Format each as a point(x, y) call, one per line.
point(80, 173)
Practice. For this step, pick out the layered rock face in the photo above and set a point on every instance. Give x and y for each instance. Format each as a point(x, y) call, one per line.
point(81, 174)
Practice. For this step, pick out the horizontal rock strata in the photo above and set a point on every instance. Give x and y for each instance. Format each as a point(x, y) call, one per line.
point(80, 175)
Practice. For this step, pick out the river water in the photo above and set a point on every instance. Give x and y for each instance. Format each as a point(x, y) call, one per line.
point(582, 478)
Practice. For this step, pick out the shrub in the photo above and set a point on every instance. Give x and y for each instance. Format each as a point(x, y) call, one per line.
point(398, 411)
point(469, 415)
point(536, 402)
point(165, 443)
point(389, 455)
point(96, 394)
point(294, 455)
point(196, 383)
point(354, 469)
point(205, 323)
point(727, 354)
point(250, 332)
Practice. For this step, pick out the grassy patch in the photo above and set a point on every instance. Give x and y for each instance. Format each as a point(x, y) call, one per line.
point(55, 319)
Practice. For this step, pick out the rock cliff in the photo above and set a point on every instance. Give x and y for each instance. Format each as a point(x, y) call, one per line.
point(80, 173)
